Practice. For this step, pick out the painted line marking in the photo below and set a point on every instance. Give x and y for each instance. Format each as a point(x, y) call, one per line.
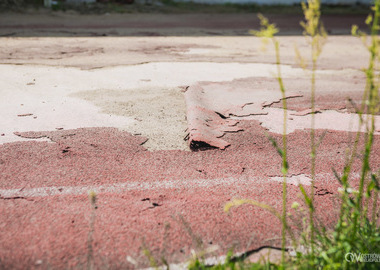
point(128, 186)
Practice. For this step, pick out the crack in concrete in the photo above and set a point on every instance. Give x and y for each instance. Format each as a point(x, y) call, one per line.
point(268, 104)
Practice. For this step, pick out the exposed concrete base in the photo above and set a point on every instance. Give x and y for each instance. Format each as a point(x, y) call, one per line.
point(109, 115)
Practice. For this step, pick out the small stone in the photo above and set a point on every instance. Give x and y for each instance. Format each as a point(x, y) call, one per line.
point(38, 262)
point(2, 134)
point(59, 128)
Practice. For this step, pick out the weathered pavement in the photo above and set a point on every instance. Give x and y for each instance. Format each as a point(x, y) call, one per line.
point(109, 115)
point(60, 24)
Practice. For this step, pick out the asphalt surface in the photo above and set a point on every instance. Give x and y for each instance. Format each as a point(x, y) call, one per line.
point(120, 116)
point(60, 24)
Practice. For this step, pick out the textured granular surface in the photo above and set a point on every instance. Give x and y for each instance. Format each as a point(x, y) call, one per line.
point(118, 116)
point(166, 201)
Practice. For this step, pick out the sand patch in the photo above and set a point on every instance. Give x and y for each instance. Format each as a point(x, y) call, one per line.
point(159, 113)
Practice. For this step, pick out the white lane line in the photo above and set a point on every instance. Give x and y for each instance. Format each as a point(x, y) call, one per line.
point(128, 186)
point(114, 188)
point(294, 180)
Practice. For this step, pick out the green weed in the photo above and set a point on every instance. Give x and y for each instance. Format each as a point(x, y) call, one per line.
point(356, 235)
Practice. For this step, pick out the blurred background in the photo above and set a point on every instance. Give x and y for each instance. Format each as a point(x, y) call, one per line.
point(173, 5)
point(168, 17)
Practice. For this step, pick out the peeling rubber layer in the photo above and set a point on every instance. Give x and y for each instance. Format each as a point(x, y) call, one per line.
point(211, 104)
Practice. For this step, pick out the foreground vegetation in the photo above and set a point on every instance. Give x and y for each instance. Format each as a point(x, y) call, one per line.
point(354, 243)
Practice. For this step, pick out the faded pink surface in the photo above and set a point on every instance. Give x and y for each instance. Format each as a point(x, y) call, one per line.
point(211, 104)
point(52, 231)
point(184, 209)
point(168, 201)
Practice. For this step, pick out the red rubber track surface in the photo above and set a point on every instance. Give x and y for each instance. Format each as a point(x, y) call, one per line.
point(183, 211)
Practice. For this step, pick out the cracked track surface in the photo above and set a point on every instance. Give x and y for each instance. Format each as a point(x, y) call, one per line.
point(89, 53)
point(108, 114)
point(170, 201)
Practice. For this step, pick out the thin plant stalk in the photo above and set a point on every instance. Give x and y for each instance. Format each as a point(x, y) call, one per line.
point(283, 152)
point(372, 101)
point(313, 148)
point(267, 32)
point(314, 29)
point(284, 168)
